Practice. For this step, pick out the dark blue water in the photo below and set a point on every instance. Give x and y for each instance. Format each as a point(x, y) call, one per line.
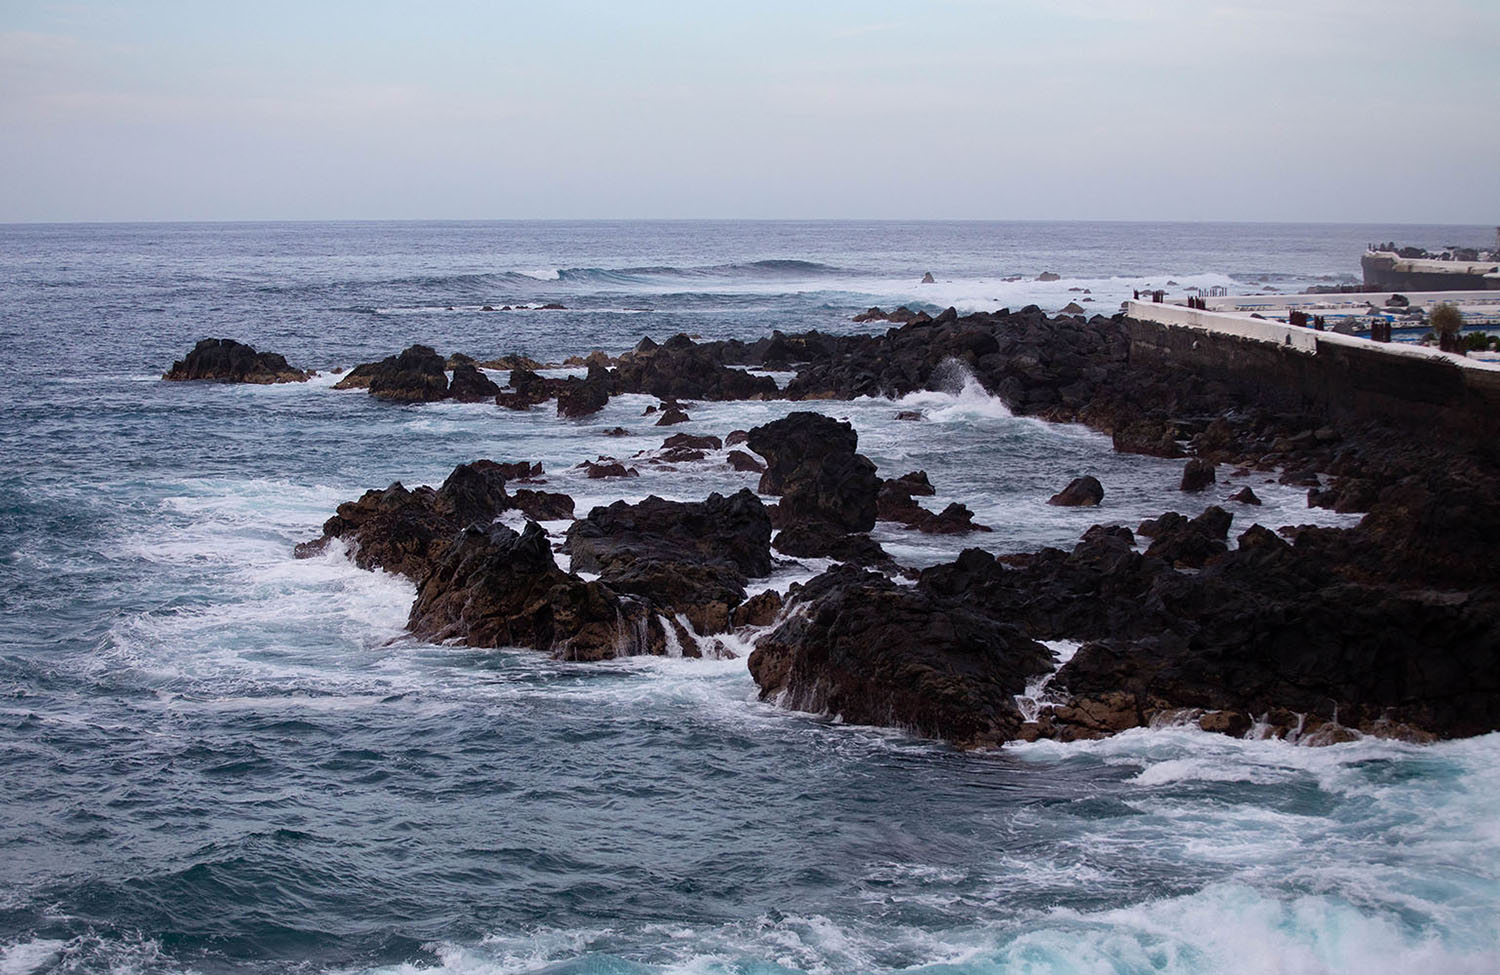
point(216, 758)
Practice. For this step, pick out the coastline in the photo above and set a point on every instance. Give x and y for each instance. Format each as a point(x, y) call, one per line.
point(1245, 406)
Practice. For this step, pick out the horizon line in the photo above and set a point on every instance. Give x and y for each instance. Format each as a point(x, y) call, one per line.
point(689, 220)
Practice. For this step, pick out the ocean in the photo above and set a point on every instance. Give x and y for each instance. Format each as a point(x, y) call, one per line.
point(217, 758)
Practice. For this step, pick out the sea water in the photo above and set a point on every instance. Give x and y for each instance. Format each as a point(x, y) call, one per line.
point(217, 758)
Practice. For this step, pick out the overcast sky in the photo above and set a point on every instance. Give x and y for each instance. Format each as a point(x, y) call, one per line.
point(1366, 110)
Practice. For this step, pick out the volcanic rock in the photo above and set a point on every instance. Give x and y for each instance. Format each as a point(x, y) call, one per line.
point(228, 361)
point(1197, 475)
point(869, 651)
point(469, 385)
point(1083, 491)
point(811, 462)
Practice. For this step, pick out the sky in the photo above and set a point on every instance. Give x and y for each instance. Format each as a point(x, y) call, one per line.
point(1278, 110)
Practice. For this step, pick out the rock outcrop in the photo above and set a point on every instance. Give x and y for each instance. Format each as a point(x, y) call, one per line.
point(689, 558)
point(1084, 492)
point(414, 376)
point(494, 587)
point(228, 361)
point(860, 647)
point(682, 369)
point(405, 531)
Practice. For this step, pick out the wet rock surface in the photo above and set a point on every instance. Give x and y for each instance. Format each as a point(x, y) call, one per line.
point(416, 375)
point(692, 558)
point(865, 649)
point(1383, 628)
point(405, 530)
point(228, 361)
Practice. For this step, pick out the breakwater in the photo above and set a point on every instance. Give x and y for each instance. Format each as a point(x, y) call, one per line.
point(1344, 378)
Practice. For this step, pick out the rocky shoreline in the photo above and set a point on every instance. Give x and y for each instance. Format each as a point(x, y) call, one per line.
point(1316, 634)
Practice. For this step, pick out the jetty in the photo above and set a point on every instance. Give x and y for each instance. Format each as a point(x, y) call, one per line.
point(1249, 343)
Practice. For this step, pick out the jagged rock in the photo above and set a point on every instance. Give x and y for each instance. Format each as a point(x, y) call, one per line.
point(405, 531)
point(871, 652)
point(527, 389)
point(683, 369)
point(741, 461)
point(584, 397)
point(821, 541)
point(1197, 475)
point(685, 557)
point(496, 588)
point(811, 462)
point(469, 385)
point(759, 610)
point(916, 484)
point(414, 376)
point(672, 416)
point(542, 505)
point(1190, 543)
point(1083, 491)
point(955, 519)
point(228, 361)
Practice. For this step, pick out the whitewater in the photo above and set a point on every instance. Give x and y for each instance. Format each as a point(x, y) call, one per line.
point(217, 758)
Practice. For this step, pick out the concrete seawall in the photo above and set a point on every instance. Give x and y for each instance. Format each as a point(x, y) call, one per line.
point(1345, 378)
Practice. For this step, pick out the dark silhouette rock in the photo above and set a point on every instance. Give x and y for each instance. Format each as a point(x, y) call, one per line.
point(228, 361)
point(414, 376)
point(405, 531)
point(1190, 543)
point(527, 389)
point(872, 652)
point(494, 587)
point(584, 397)
point(692, 441)
point(822, 541)
point(542, 505)
point(469, 385)
point(1081, 492)
point(811, 462)
point(1245, 496)
point(741, 461)
point(683, 369)
point(1197, 475)
point(671, 416)
point(606, 467)
point(691, 558)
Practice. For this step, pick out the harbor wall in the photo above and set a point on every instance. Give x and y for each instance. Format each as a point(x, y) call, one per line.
point(1343, 378)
